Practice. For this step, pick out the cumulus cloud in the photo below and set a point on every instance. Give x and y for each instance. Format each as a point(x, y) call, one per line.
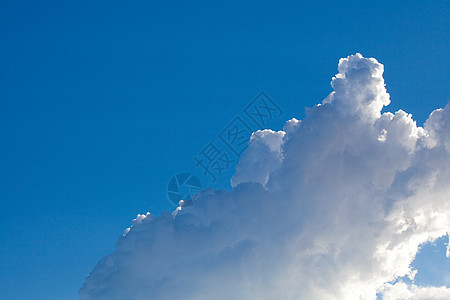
point(404, 291)
point(335, 206)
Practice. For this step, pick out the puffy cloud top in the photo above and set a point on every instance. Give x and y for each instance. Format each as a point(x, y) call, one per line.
point(359, 87)
point(333, 207)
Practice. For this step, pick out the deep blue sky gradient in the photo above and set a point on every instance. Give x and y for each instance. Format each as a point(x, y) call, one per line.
point(102, 102)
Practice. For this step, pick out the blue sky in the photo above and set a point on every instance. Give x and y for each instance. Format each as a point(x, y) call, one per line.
point(102, 102)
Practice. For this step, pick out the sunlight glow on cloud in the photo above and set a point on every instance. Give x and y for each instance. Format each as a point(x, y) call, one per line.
point(335, 206)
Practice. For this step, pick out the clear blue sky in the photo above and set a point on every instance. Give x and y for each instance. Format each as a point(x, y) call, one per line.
point(102, 102)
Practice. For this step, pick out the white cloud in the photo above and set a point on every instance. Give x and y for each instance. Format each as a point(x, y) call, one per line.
point(404, 291)
point(261, 159)
point(333, 207)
